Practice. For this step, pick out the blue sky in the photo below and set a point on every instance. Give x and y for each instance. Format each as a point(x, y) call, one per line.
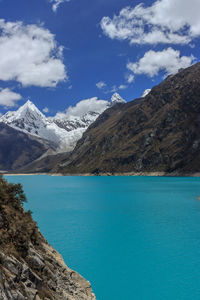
point(87, 48)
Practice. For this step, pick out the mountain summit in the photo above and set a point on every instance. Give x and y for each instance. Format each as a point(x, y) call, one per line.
point(116, 98)
point(63, 130)
point(30, 120)
point(27, 118)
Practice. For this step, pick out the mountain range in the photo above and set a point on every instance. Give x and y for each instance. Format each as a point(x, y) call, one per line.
point(158, 132)
point(27, 134)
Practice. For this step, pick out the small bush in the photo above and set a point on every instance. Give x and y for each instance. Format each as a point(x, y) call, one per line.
point(29, 212)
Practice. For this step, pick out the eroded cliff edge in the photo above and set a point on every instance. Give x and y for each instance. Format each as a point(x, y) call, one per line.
point(29, 267)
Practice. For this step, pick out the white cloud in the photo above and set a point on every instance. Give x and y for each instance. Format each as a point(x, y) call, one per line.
point(8, 97)
point(165, 21)
point(45, 110)
point(101, 84)
point(30, 55)
point(56, 4)
point(113, 89)
point(84, 106)
point(70, 87)
point(130, 78)
point(146, 92)
point(168, 60)
point(123, 87)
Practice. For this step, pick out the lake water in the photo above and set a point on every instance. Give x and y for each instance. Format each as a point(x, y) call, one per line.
point(133, 238)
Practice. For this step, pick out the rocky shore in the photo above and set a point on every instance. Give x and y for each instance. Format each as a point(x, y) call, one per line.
point(29, 267)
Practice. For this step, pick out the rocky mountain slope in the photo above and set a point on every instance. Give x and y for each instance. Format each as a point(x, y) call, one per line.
point(159, 132)
point(18, 149)
point(44, 164)
point(29, 267)
point(63, 130)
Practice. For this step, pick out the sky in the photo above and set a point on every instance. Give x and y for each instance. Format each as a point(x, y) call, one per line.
point(58, 52)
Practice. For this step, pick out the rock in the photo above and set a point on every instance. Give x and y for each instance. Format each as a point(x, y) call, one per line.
point(17, 296)
point(35, 259)
point(30, 269)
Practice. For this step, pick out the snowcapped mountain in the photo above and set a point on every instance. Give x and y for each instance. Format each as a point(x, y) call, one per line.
point(116, 98)
point(29, 119)
point(65, 129)
point(74, 123)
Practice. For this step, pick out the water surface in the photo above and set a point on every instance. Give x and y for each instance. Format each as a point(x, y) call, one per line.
point(133, 238)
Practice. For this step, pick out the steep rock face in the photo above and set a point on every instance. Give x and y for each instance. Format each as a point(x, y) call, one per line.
point(29, 267)
point(159, 132)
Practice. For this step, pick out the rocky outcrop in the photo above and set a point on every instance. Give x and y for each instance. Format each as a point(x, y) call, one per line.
point(43, 275)
point(157, 133)
point(29, 267)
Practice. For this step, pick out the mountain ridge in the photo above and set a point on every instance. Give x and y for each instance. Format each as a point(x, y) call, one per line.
point(156, 133)
point(64, 130)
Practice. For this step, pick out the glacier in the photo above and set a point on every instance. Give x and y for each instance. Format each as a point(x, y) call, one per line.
point(64, 129)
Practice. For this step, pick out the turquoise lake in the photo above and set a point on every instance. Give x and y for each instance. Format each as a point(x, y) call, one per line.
point(133, 238)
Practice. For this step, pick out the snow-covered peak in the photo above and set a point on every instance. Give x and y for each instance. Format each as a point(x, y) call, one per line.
point(30, 106)
point(116, 98)
point(29, 119)
point(28, 112)
point(64, 129)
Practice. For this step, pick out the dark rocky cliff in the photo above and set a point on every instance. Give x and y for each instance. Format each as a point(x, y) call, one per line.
point(157, 133)
point(29, 267)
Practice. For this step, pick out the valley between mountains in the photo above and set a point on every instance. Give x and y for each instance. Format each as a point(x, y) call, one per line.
point(155, 133)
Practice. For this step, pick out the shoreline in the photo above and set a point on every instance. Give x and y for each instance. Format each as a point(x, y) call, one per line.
point(133, 174)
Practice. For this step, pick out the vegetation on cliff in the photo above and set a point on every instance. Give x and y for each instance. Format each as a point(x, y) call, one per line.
point(29, 267)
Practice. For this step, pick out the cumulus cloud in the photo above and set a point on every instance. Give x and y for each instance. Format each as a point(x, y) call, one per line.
point(101, 84)
point(168, 60)
point(45, 110)
point(30, 55)
point(165, 21)
point(56, 4)
point(8, 97)
point(83, 107)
